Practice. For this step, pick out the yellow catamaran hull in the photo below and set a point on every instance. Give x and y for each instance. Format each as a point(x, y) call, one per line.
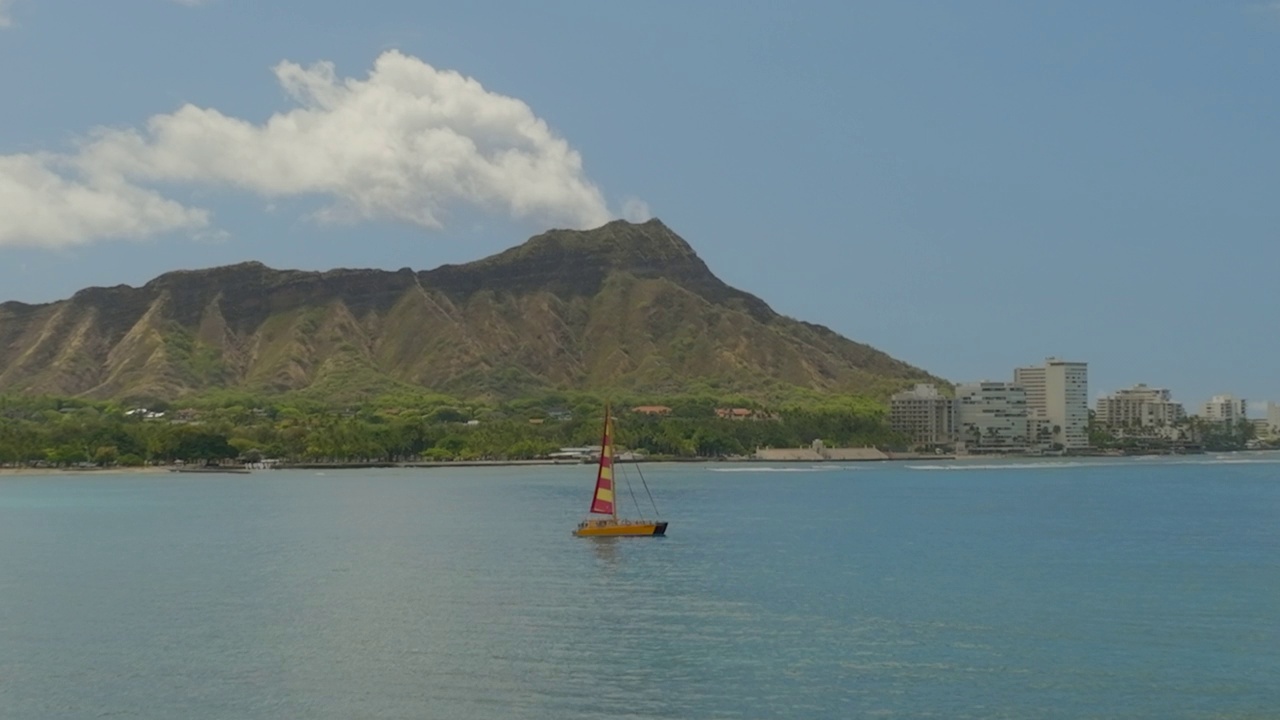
point(620, 528)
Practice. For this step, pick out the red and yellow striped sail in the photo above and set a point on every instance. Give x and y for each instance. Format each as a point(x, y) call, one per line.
point(602, 502)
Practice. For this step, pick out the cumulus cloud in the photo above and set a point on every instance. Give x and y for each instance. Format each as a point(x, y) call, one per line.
point(39, 206)
point(408, 142)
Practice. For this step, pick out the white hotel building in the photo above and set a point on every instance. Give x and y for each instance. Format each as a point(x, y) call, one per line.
point(1058, 399)
point(1271, 414)
point(1224, 409)
point(1139, 407)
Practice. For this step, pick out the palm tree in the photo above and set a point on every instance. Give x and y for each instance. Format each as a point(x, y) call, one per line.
point(993, 434)
point(1043, 435)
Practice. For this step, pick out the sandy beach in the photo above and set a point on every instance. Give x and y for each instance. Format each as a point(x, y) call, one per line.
point(82, 471)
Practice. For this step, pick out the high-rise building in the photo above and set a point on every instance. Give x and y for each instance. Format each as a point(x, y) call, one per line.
point(1271, 412)
point(924, 415)
point(991, 416)
point(1225, 409)
point(1262, 428)
point(1058, 398)
point(1139, 407)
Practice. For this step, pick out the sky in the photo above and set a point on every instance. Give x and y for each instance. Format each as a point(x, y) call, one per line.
point(969, 187)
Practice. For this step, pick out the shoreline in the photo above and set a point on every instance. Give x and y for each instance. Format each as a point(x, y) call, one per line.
point(428, 465)
point(7, 471)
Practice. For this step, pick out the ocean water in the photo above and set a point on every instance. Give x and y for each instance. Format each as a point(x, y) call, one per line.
point(1140, 588)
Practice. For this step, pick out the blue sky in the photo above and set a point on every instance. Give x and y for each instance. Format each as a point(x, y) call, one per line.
point(967, 186)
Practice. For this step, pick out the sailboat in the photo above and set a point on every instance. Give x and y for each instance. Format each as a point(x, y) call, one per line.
point(604, 502)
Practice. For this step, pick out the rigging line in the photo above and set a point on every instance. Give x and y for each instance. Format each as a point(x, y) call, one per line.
point(646, 490)
point(627, 478)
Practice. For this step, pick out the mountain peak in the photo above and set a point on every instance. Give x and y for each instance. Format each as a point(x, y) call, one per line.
point(572, 263)
point(622, 305)
point(620, 244)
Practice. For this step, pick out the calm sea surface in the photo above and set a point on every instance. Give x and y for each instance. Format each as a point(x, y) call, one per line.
point(1123, 589)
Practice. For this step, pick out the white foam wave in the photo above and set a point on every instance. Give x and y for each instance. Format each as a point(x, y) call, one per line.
point(780, 469)
point(1003, 466)
point(1144, 459)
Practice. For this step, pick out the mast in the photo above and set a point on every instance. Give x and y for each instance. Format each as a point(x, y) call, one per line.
point(613, 474)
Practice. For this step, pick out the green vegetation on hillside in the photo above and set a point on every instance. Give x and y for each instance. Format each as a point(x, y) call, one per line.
point(409, 427)
point(624, 306)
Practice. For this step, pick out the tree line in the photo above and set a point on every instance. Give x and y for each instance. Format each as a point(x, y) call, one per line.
point(219, 428)
point(1191, 431)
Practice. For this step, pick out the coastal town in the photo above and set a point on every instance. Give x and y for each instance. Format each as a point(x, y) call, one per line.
point(1044, 409)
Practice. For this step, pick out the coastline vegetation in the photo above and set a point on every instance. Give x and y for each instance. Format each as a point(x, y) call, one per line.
point(409, 427)
point(1195, 431)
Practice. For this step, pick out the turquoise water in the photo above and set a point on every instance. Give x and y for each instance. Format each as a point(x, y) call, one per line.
point(1123, 589)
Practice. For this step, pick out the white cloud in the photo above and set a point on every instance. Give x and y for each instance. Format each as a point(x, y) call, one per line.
point(406, 143)
point(636, 210)
point(39, 206)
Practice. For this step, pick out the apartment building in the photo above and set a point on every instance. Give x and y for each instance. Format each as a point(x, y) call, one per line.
point(991, 417)
point(1224, 409)
point(1271, 414)
point(924, 415)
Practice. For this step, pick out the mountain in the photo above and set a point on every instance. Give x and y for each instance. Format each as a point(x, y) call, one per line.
point(623, 306)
